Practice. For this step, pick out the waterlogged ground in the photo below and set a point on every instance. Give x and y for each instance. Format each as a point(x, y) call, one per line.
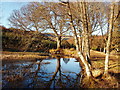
point(47, 73)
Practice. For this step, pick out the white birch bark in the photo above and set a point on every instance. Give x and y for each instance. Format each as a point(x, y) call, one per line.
point(84, 61)
point(109, 39)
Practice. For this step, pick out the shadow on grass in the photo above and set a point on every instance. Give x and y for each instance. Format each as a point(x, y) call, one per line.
point(116, 75)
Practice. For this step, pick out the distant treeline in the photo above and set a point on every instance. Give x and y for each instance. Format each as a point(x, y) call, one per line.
point(20, 40)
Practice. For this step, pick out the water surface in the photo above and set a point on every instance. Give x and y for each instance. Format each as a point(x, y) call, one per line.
point(47, 73)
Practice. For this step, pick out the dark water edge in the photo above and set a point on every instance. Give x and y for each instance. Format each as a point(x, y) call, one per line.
point(47, 73)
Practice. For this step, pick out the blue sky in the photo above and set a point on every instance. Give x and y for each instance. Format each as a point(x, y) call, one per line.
point(6, 11)
point(6, 8)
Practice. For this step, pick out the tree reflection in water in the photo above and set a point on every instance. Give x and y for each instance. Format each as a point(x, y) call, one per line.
point(37, 76)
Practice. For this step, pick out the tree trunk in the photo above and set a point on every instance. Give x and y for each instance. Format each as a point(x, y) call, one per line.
point(80, 43)
point(58, 42)
point(87, 50)
point(83, 42)
point(86, 33)
point(84, 61)
point(76, 41)
point(87, 68)
point(104, 49)
point(109, 39)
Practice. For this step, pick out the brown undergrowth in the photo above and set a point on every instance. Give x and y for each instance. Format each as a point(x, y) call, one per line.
point(112, 80)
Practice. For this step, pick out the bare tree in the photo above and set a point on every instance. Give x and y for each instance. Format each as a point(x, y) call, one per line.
point(116, 32)
point(53, 19)
point(57, 21)
point(109, 38)
point(26, 18)
point(41, 17)
point(83, 59)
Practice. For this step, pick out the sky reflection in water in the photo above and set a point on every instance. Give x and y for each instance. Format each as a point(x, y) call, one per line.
point(40, 74)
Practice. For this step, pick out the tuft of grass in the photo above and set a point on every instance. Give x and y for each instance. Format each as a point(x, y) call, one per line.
point(90, 83)
point(97, 72)
point(111, 81)
point(69, 52)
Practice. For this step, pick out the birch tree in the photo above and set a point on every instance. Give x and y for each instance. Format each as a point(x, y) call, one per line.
point(116, 32)
point(80, 54)
point(109, 38)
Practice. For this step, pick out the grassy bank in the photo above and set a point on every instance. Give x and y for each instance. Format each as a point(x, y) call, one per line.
point(23, 55)
point(97, 60)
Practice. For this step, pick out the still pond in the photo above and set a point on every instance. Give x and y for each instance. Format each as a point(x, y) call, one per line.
point(46, 73)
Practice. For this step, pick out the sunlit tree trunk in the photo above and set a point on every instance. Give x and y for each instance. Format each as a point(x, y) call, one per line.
point(83, 42)
point(116, 32)
point(86, 33)
point(87, 67)
point(109, 39)
point(80, 43)
point(58, 42)
point(83, 59)
point(76, 38)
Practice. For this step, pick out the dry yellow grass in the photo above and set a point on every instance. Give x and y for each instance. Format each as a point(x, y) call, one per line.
point(98, 59)
point(70, 52)
point(97, 72)
point(22, 55)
